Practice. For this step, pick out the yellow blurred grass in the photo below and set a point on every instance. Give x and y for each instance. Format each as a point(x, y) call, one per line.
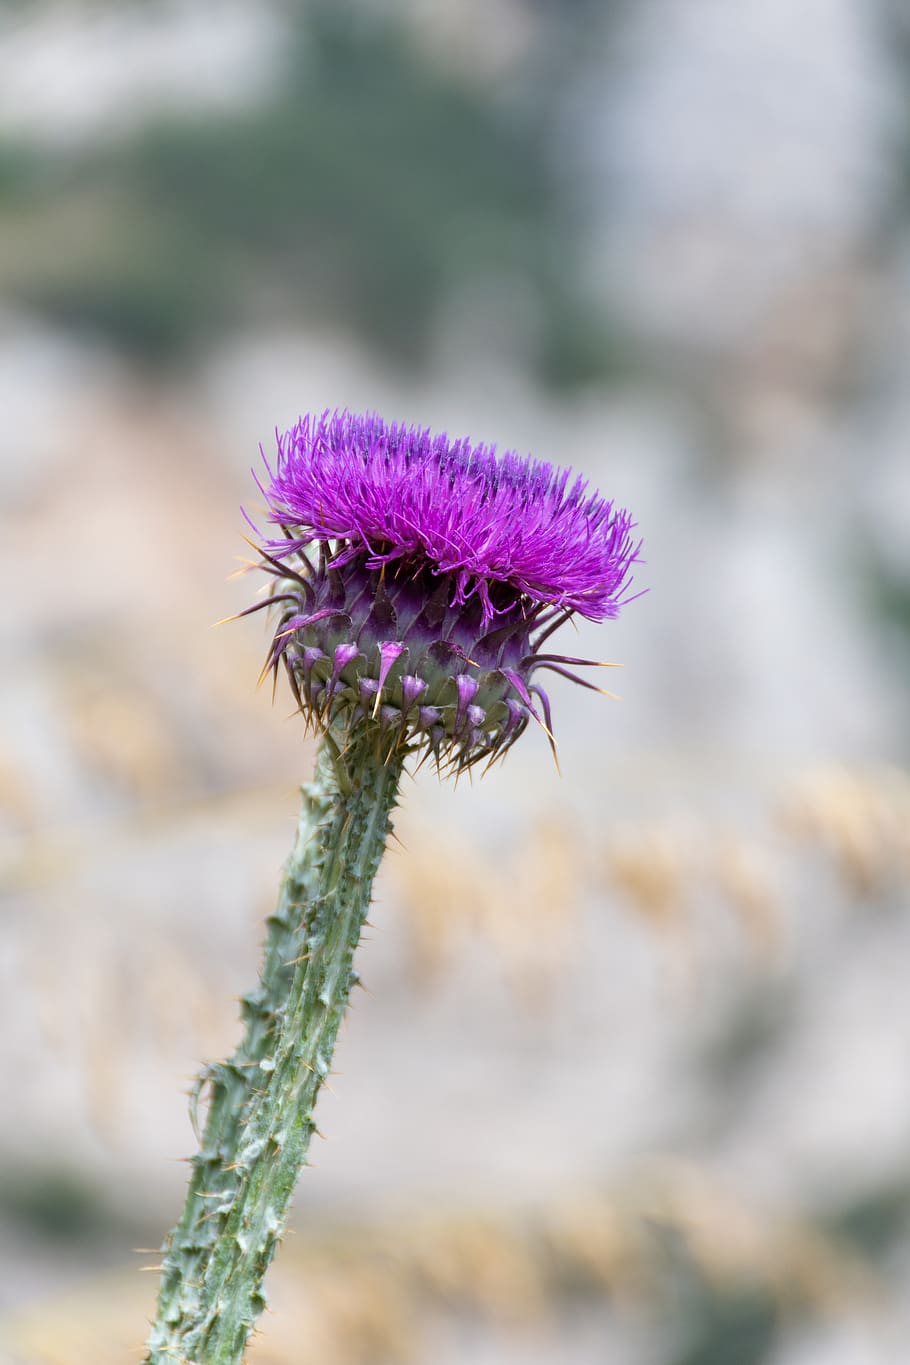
point(356, 1296)
point(679, 877)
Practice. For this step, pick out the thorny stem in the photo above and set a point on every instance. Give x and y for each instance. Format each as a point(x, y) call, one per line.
point(260, 1114)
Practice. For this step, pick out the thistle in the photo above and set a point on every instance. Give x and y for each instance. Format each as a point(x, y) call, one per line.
point(415, 582)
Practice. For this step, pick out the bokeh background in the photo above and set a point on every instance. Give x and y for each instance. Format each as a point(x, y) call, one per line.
point(631, 1083)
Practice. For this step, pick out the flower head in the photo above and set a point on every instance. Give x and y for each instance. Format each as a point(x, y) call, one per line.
point(418, 578)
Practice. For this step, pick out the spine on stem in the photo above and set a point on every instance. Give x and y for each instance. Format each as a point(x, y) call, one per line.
point(261, 1101)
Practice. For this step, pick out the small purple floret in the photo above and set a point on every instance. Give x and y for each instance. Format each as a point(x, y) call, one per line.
point(398, 493)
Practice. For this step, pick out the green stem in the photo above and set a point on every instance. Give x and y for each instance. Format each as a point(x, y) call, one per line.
point(260, 1114)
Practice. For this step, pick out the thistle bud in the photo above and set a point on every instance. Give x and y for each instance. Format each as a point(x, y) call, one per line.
point(417, 579)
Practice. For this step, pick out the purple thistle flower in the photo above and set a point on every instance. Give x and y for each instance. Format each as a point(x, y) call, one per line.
point(418, 578)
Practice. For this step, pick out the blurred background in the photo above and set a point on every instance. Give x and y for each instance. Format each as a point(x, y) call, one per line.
point(631, 1083)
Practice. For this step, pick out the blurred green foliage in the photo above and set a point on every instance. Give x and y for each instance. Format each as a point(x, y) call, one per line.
point(365, 189)
point(58, 1202)
point(735, 1328)
point(874, 1221)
